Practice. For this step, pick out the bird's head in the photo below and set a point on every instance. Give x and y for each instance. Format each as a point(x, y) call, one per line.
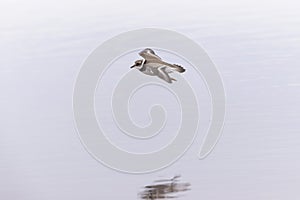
point(137, 64)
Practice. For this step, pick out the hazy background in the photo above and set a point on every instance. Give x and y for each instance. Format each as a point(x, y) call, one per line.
point(255, 45)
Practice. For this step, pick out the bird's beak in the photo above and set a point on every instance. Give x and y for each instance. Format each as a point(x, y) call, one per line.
point(132, 66)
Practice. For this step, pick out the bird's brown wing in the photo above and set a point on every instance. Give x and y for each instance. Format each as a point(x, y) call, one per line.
point(164, 75)
point(148, 55)
point(175, 67)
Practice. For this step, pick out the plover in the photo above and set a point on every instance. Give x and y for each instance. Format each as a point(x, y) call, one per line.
point(153, 65)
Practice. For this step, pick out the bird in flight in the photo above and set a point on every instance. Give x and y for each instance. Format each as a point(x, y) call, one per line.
point(153, 65)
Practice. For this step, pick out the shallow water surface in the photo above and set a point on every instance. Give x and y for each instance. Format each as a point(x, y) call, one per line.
point(255, 45)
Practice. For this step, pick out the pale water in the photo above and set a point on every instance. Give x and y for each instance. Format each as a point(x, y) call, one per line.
point(254, 44)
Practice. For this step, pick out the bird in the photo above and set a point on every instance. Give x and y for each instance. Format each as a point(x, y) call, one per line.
point(153, 65)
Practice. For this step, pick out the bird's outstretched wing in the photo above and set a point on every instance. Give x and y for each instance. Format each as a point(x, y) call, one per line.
point(174, 67)
point(149, 54)
point(161, 73)
point(150, 57)
point(170, 67)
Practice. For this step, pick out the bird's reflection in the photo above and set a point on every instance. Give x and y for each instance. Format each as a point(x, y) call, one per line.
point(164, 189)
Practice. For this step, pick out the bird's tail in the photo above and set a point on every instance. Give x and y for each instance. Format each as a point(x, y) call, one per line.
point(179, 68)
